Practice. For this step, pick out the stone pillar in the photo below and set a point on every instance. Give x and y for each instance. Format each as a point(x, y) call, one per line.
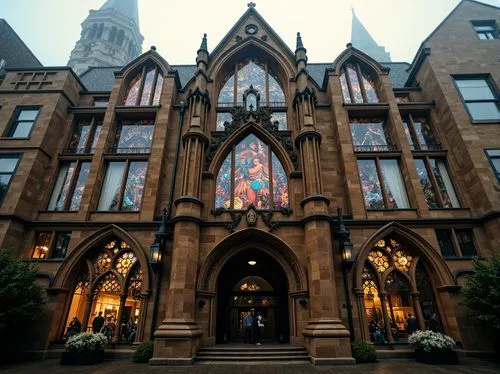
point(415, 298)
point(139, 334)
point(363, 323)
point(118, 327)
point(327, 340)
point(385, 315)
point(178, 338)
point(88, 307)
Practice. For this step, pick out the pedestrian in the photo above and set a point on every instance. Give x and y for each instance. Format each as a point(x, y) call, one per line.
point(259, 330)
point(74, 328)
point(434, 323)
point(411, 324)
point(108, 328)
point(97, 323)
point(248, 323)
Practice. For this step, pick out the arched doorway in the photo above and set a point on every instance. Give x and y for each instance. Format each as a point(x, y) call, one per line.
point(252, 281)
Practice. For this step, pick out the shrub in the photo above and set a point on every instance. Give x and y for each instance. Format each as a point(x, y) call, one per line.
point(144, 352)
point(429, 341)
point(86, 342)
point(20, 305)
point(363, 352)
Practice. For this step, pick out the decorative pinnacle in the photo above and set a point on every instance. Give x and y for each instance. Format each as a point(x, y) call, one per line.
point(204, 42)
point(348, 45)
point(251, 5)
point(299, 41)
point(153, 48)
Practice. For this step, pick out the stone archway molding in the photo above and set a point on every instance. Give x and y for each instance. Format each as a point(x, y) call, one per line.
point(65, 275)
point(243, 240)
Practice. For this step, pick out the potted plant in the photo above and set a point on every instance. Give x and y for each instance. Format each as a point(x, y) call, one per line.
point(433, 347)
point(84, 349)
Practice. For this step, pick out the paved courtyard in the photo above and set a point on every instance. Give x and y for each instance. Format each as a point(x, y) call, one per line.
point(468, 366)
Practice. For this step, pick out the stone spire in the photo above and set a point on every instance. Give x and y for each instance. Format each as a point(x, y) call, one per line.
point(110, 36)
point(362, 40)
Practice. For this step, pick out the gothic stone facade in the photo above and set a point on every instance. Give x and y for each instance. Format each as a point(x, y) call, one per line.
point(87, 175)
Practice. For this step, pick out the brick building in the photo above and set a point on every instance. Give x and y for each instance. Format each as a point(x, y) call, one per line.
point(182, 197)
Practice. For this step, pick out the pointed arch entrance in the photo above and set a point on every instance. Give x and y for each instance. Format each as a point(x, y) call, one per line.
point(271, 287)
point(397, 275)
point(107, 276)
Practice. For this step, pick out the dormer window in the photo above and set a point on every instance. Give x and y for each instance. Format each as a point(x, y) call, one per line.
point(358, 86)
point(145, 88)
point(251, 98)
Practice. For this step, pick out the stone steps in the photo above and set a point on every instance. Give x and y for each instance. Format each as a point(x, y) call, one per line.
point(253, 355)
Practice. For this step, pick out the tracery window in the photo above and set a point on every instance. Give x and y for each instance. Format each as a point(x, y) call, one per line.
point(256, 74)
point(117, 272)
point(251, 174)
point(357, 85)
point(145, 88)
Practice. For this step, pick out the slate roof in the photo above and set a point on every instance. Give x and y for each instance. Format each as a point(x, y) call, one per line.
point(102, 78)
point(13, 50)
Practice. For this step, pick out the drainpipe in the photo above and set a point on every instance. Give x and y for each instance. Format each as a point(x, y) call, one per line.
point(167, 215)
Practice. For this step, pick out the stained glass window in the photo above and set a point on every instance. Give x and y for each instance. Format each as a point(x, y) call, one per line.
point(102, 262)
point(125, 262)
point(370, 184)
point(369, 282)
point(282, 120)
point(402, 260)
point(369, 134)
point(379, 259)
point(109, 285)
point(441, 192)
point(255, 176)
point(396, 282)
point(68, 190)
point(363, 88)
point(145, 88)
point(134, 136)
point(252, 73)
point(419, 133)
point(134, 187)
point(85, 134)
point(135, 283)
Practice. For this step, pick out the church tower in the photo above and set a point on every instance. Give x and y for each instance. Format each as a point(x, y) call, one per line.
point(110, 36)
point(362, 40)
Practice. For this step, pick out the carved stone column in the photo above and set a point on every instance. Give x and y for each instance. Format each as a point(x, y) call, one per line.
point(385, 316)
point(118, 327)
point(141, 325)
point(327, 339)
point(415, 298)
point(88, 307)
point(178, 338)
point(363, 322)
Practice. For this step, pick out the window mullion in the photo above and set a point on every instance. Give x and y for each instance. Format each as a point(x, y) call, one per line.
point(434, 182)
point(233, 151)
point(235, 87)
point(348, 81)
point(90, 136)
point(124, 184)
point(381, 181)
point(51, 244)
point(413, 132)
point(456, 244)
point(71, 188)
point(141, 87)
point(361, 84)
point(153, 87)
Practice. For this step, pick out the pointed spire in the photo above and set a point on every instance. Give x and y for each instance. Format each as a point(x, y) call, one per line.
point(128, 8)
point(204, 43)
point(299, 41)
point(362, 40)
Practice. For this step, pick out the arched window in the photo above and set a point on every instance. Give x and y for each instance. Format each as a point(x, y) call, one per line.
point(121, 37)
point(112, 35)
point(254, 74)
point(251, 174)
point(100, 31)
point(357, 85)
point(145, 88)
point(92, 31)
point(115, 272)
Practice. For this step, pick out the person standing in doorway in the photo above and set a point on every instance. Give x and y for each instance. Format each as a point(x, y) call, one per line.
point(248, 323)
point(259, 330)
point(97, 323)
point(411, 324)
point(434, 323)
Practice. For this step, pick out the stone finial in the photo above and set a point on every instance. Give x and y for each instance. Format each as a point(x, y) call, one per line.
point(153, 48)
point(348, 45)
point(251, 4)
point(204, 42)
point(299, 41)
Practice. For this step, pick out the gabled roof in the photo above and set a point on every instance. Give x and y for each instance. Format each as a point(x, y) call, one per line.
point(127, 8)
point(13, 50)
point(251, 11)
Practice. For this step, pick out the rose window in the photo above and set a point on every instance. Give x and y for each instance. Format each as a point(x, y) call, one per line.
point(402, 260)
point(380, 261)
point(125, 262)
point(102, 263)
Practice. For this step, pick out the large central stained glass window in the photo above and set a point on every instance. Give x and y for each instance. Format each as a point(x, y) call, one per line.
point(256, 74)
point(251, 174)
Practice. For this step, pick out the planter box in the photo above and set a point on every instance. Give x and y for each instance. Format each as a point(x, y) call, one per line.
point(77, 358)
point(437, 358)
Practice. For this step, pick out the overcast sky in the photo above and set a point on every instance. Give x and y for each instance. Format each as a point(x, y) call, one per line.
point(50, 28)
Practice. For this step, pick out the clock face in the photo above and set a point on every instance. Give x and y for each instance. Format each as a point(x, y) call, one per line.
point(251, 29)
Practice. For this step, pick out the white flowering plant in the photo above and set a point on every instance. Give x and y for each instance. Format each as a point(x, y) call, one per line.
point(86, 342)
point(429, 341)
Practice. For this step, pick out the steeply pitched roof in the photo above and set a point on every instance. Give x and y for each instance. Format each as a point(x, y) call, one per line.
point(128, 8)
point(13, 50)
point(362, 40)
